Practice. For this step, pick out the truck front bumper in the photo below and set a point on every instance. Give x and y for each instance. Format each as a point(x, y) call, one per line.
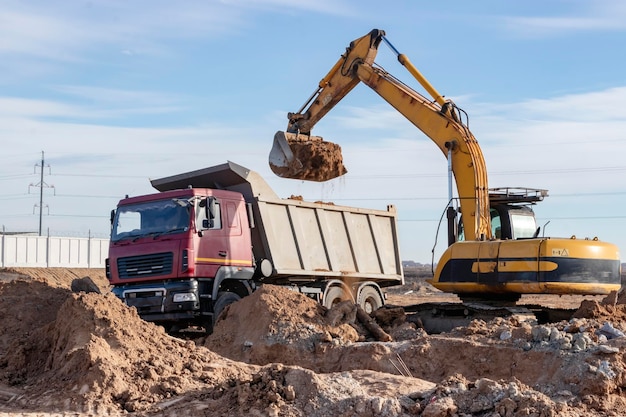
point(162, 301)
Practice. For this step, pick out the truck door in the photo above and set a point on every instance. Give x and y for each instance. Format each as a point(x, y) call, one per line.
point(224, 242)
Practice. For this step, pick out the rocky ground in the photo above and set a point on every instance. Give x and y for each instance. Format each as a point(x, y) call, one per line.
point(278, 353)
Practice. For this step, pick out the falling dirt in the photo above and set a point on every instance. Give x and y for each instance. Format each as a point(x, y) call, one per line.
point(279, 353)
point(314, 159)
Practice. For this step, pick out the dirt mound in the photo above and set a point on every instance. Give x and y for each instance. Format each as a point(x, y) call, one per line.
point(278, 353)
point(611, 308)
point(287, 327)
point(98, 352)
point(55, 277)
point(278, 390)
point(89, 353)
point(566, 363)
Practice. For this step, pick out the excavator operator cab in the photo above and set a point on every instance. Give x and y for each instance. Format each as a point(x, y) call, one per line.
point(511, 222)
point(511, 214)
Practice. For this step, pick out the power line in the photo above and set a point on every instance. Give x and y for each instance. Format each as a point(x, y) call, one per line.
point(79, 215)
point(551, 218)
point(606, 193)
point(415, 175)
point(15, 176)
point(88, 196)
point(100, 176)
point(15, 197)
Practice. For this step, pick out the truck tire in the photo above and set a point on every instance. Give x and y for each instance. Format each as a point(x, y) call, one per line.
point(224, 299)
point(334, 295)
point(370, 299)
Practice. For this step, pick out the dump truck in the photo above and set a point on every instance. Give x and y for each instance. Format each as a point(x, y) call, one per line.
point(209, 237)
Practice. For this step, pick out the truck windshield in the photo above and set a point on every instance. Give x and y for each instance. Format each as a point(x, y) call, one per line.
point(149, 219)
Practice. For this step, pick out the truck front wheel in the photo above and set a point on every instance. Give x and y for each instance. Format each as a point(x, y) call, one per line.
point(224, 299)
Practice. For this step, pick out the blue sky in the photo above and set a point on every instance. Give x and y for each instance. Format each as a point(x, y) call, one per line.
point(116, 92)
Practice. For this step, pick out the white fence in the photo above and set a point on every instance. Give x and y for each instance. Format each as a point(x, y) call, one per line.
point(49, 251)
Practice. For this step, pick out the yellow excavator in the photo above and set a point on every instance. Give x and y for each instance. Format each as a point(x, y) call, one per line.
point(494, 248)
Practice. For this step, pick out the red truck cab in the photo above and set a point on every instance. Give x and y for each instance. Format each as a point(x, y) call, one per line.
point(172, 253)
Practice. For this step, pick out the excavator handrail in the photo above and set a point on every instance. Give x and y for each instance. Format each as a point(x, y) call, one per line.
point(516, 195)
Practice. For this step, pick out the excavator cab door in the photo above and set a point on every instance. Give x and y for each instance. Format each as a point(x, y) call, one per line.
point(515, 222)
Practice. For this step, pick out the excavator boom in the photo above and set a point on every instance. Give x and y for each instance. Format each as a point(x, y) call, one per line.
point(298, 155)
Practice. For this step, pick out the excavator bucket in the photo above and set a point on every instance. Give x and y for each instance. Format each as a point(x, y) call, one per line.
point(303, 157)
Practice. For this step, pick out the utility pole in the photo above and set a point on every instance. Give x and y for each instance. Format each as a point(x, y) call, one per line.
point(41, 184)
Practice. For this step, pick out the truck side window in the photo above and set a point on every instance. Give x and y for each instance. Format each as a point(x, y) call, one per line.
point(232, 220)
point(231, 212)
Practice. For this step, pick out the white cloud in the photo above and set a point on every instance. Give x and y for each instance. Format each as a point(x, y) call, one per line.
point(109, 106)
point(331, 7)
point(115, 96)
point(598, 106)
point(25, 33)
point(60, 31)
point(584, 16)
point(561, 143)
point(24, 108)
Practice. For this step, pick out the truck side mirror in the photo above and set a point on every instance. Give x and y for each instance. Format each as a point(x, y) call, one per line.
point(209, 212)
point(112, 217)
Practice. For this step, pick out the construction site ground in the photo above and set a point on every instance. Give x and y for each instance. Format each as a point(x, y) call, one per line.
point(82, 352)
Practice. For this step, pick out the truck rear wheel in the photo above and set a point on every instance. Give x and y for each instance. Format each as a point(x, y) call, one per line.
point(370, 299)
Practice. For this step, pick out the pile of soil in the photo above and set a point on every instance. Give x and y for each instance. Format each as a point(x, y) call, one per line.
point(279, 353)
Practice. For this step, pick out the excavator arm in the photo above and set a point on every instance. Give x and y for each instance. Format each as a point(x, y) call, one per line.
point(438, 119)
point(339, 81)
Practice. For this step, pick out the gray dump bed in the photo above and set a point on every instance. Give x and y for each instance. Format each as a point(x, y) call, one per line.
point(304, 239)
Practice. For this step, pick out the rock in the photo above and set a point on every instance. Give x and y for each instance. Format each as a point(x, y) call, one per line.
point(84, 284)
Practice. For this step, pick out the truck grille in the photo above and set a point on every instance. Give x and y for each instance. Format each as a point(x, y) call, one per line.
point(145, 265)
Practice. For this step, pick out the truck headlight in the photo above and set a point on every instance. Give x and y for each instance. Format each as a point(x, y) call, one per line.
point(185, 296)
